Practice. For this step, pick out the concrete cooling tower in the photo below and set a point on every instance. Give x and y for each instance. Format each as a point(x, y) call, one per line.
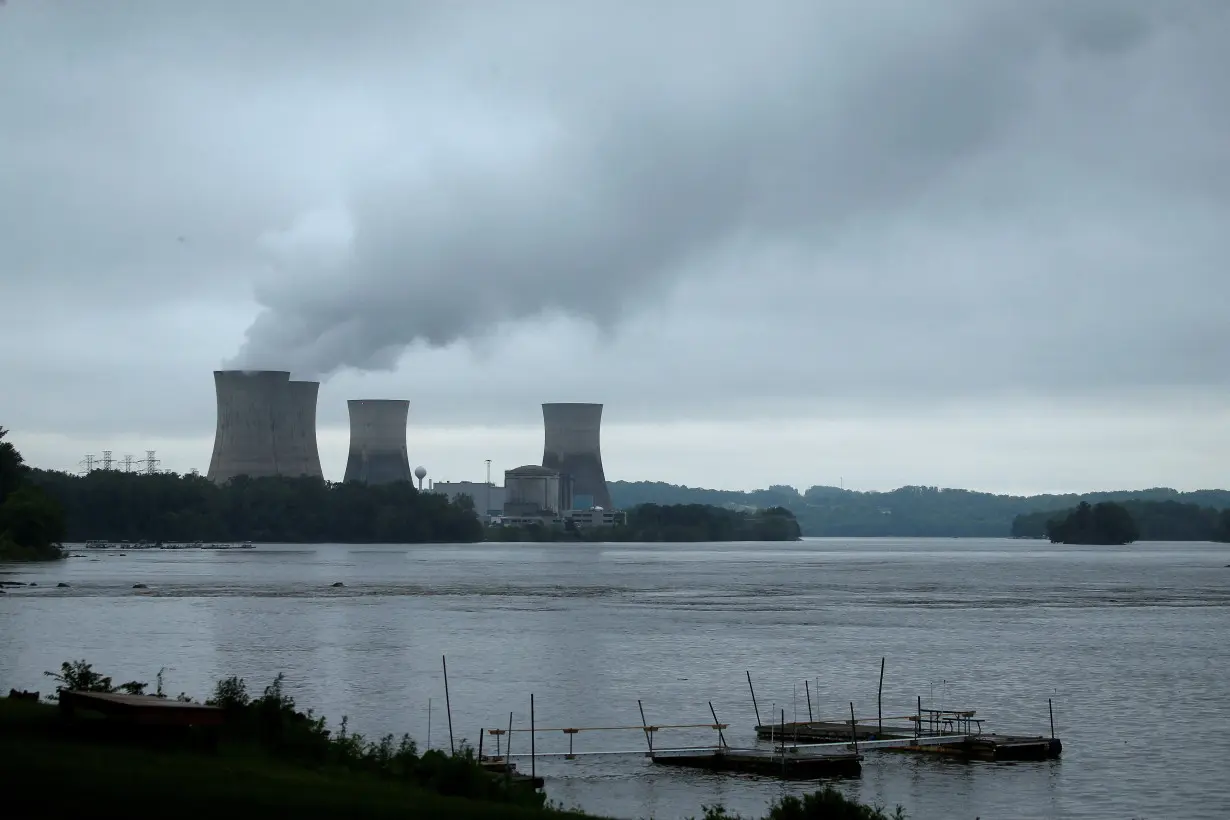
point(266, 426)
point(295, 431)
point(378, 441)
point(572, 448)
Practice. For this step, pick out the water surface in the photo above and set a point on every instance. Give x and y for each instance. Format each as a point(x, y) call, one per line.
point(1130, 643)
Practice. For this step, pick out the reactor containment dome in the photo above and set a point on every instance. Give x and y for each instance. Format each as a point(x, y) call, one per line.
point(266, 426)
point(572, 448)
point(378, 441)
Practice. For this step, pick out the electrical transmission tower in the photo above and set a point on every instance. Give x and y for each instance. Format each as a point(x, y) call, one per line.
point(127, 463)
point(151, 463)
point(106, 460)
point(87, 463)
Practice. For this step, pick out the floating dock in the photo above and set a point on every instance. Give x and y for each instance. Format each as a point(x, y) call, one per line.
point(955, 734)
point(783, 762)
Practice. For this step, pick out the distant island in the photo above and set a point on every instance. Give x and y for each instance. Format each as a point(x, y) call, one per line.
point(1105, 523)
point(1153, 520)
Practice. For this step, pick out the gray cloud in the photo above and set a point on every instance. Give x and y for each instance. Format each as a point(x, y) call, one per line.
point(618, 156)
point(921, 199)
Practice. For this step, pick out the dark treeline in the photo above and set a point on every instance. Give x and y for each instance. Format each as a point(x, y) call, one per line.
point(31, 522)
point(1155, 521)
point(109, 505)
point(699, 522)
point(905, 512)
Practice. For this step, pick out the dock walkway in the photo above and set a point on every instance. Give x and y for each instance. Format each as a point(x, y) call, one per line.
point(971, 745)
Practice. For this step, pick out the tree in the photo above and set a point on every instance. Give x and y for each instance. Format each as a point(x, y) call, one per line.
point(32, 519)
point(1223, 527)
point(11, 467)
point(1104, 523)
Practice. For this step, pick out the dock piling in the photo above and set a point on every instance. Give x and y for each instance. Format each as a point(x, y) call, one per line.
point(807, 691)
point(507, 755)
point(1050, 706)
point(448, 707)
point(481, 732)
point(918, 719)
point(783, 743)
point(853, 728)
point(533, 769)
point(429, 724)
point(753, 691)
point(880, 700)
point(645, 723)
point(716, 723)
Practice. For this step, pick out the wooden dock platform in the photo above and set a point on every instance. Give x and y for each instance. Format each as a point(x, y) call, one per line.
point(973, 745)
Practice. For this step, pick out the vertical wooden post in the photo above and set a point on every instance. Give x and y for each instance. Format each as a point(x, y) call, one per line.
point(880, 700)
point(807, 690)
point(717, 723)
point(753, 691)
point(448, 707)
point(648, 734)
point(429, 724)
point(918, 719)
point(783, 743)
point(508, 756)
point(1051, 708)
point(853, 728)
point(481, 732)
point(533, 767)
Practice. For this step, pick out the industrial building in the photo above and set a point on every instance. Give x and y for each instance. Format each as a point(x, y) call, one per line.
point(596, 517)
point(532, 491)
point(571, 447)
point(377, 441)
point(266, 426)
point(488, 499)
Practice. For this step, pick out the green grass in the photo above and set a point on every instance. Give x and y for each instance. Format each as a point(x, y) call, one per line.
point(70, 773)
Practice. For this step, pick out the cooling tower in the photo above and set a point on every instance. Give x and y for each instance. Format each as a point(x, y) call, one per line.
point(295, 431)
point(249, 402)
point(378, 441)
point(572, 448)
point(266, 425)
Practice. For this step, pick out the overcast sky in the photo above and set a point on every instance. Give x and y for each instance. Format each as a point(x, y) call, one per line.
point(873, 242)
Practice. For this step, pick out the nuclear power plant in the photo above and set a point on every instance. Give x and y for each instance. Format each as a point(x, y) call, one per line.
point(378, 441)
point(266, 426)
point(571, 448)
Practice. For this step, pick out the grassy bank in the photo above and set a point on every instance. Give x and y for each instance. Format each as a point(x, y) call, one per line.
point(39, 752)
point(268, 756)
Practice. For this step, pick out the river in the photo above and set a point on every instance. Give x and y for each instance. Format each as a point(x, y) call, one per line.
point(1132, 644)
